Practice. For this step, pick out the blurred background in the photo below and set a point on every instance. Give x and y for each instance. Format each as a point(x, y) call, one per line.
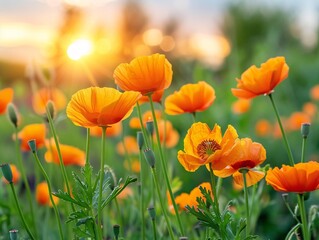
point(67, 43)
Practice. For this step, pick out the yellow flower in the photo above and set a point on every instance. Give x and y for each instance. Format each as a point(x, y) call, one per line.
point(145, 74)
point(204, 146)
point(100, 106)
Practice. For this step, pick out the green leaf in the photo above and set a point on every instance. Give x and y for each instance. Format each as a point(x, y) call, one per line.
point(65, 196)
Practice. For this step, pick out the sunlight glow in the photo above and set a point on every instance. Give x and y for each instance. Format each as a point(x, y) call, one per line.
point(80, 48)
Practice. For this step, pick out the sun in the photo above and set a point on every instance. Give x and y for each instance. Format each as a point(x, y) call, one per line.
point(79, 48)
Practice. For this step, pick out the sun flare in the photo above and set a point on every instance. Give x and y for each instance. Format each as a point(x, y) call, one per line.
point(79, 48)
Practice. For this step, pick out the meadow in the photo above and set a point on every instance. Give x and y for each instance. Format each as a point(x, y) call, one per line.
point(167, 147)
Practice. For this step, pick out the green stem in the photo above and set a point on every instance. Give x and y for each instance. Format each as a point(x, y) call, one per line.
point(57, 215)
point(193, 116)
point(304, 225)
point(142, 194)
point(215, 194)
point(154, 229)
point(246, 203)
point(99, 210)
point(63, 170)
point(289, 152)
point(119, 214)
point(87, 147)
point(163, 164)
point(20, 211)
point(147, 144)
point(25, 180)
point(303, 147)
point(162, 204)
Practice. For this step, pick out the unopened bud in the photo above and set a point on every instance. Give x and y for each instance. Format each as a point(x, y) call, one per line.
point(150, 127)
point(140, 139)
point(50, 107)
point(7, 173)
point(12, 114)
point(150, 157)
point(116, 231)
point(13, 234)
point(305, 129)
point(109, 174)
point(32, 145)
point(152, 213)
point(183, 238)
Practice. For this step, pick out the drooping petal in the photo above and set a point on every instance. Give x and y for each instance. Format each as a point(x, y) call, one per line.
point(252, 177)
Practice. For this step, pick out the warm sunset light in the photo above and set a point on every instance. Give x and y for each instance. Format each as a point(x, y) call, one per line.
point(79, 48)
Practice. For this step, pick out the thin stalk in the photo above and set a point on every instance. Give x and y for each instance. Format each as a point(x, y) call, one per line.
point(304, 224)
point(119, 214)
point(87, 147)
point(162, 204)
point(289, 152)
point(63, 170)
point(213, 180)
point(193, 116)
point(20, 212)
point(163, 164)
point(246, 204)
point(99, 210)
point(303, 147)
point(154, 229)
point(142, 194)
point(147, 144)
point(25, 180)
point(57, 215)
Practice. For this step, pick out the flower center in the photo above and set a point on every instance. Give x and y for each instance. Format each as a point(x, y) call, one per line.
point(207, 148)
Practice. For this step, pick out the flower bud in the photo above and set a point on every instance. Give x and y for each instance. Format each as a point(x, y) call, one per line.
point(183, 238)
point(12, 114)
point(150, 127)
point(116, 230)
point(109, 174)
point(305, 129)
point(7, 173)
point(152, 213)
point(150, 157)
point(32, 145)
point(50, 107)
point(140, 139)
point(13, 234)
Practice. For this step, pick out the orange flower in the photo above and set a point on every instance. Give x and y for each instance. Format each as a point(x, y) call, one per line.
point(130, 144)
point(263, 128)
point(301, 178)
point(6, 97)
point(70, 155)
point(186, 199)
point(41, 98)
point(168, 135)
point(241, 106)
point(111, 131)
point(145, 74)
point(127, 192)
point(96, 106)
point(43, 196)
point(314, 92)
point(296, 119)
point(260, 81)
point(310, 109)
point(190, 98)
point(135, 165)
point(147, 116)
point(245, 154)
point(203, 146)
point(15, 174)
point(32, 131)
